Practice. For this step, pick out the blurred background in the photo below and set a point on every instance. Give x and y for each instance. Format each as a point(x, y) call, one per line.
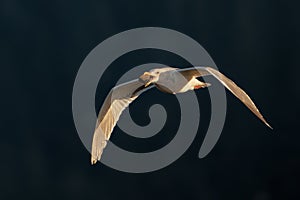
point(256, 43)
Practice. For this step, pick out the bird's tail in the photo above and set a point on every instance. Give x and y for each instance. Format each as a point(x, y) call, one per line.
point(207, 84)
point(201, 85)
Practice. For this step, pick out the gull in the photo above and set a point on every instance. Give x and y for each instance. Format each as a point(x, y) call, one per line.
point(169, 80)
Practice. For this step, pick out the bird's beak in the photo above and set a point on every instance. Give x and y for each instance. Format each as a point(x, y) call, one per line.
point(148, 83)
point(146, 78)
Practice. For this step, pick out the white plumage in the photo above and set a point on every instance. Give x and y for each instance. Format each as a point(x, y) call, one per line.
point(169, 80)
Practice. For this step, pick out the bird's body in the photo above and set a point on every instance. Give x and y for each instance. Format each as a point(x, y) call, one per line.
point(169, 80)
point(172, 81)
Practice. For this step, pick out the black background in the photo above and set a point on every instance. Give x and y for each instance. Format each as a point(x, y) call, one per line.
point(43, 44)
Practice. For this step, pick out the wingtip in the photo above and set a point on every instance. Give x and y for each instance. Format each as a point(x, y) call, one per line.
point(93, 161)
point(269, 126)
point(266, 123)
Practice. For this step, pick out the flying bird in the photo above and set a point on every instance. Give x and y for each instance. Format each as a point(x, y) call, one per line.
point(170, 80)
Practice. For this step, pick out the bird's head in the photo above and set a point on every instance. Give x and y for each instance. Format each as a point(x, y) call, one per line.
point(150, 77)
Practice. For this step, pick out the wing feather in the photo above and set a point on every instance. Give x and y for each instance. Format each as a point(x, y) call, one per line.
point(117, 100)
point(229, 84)
point(194, 72)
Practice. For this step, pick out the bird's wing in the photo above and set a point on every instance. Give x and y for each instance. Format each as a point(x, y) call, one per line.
point(229, 84)
point(194, 72)
point(117, 100)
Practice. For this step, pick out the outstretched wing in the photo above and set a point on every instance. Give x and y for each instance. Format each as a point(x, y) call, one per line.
point(229, 84)
point(117, 100)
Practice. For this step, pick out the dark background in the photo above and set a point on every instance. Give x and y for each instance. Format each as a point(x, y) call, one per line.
point(43, 44)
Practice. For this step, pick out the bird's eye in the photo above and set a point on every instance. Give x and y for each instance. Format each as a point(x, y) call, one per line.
point(156, 72)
